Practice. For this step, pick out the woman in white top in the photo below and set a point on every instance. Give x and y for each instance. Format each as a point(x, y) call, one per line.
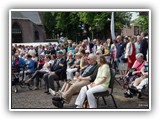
point(130, 53)
point(100, 84)
point(74, 67)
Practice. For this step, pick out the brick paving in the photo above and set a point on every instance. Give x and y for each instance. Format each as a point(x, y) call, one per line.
point(37, 99)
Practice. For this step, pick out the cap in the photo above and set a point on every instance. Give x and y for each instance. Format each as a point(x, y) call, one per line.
point(60, 52)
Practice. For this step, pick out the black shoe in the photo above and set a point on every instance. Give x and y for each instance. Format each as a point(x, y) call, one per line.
point(133, 90)
point(46, 91)
point(126, 95)
point(139, 95)
point(58, 104)
point(57, 98)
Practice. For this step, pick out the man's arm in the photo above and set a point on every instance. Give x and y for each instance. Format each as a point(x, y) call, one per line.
point(93, 76)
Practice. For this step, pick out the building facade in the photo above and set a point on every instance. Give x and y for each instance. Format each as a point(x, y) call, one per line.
point(27, 27)
point(131, 31)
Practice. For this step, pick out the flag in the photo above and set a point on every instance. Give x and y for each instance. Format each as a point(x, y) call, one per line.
point(112, 26)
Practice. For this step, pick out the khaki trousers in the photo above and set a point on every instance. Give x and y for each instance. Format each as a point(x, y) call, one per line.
point(74, 89)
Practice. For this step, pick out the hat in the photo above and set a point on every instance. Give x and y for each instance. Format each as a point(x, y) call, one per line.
point(60, 52)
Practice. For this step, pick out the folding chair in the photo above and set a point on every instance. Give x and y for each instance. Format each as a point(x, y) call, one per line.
point(123, 69)
point(107, 92)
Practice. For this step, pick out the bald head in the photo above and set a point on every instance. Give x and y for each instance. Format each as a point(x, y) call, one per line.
point(119, 39)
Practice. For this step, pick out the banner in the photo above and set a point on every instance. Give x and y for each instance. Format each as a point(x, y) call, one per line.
point(112, 26)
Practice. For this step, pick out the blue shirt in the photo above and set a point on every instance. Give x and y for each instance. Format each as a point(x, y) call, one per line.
point(87, 69)
point(30, 65)
point(69, 48)
point(120, 49)
point(137, 45)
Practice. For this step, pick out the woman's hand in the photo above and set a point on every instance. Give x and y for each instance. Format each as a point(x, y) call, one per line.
point(134, 72)
point(92, 84)
point(129, 60)
point(145, 74)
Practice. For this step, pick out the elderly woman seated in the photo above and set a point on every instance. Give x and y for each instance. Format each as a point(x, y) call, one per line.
point(74, 67)
point(100, 84)
point(135, 71)
point(29, 66)
point(139, 83)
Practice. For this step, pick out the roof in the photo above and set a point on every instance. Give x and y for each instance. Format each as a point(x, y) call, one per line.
point(31, 15)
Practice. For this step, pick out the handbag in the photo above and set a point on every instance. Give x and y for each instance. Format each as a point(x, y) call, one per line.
point(133, 69)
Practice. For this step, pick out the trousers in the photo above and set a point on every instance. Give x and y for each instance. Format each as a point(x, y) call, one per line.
point(49, 80)
point(37, 75)
point(143, 83)
point(90, 95)
point(70, 73)
point(74, 89)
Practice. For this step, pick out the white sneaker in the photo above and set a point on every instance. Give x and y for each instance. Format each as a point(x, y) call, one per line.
point(52, 92)
point(78, 107)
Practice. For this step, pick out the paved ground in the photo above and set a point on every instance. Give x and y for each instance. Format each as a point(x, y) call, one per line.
point(28, 99)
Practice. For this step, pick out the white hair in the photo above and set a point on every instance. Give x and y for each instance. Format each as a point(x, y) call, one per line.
point(92, 56)
point(139, 55)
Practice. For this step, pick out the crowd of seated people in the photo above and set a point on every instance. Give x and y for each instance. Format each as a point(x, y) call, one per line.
point(77, 64)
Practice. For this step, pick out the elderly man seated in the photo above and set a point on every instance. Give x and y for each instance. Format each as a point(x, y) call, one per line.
point(57, 71)
point(86, 78)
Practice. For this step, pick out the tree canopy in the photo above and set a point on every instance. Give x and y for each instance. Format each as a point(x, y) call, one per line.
point(74, 24)
point(143, 22)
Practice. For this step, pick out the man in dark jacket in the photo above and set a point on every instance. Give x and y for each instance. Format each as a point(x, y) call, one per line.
point(57, 72)
point(86, 78)
point(144, 45)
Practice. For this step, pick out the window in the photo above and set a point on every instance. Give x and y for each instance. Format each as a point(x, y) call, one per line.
point(36, 33)
point(16, 33)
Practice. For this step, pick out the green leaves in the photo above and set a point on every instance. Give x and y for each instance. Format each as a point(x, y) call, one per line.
point(70, 23)
point(142, 21)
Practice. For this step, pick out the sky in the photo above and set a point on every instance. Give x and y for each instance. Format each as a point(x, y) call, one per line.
point(134, 15)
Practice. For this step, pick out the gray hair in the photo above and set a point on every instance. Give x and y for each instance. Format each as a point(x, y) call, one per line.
point(92, 56)
point(138, 37)
point(139, 55)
